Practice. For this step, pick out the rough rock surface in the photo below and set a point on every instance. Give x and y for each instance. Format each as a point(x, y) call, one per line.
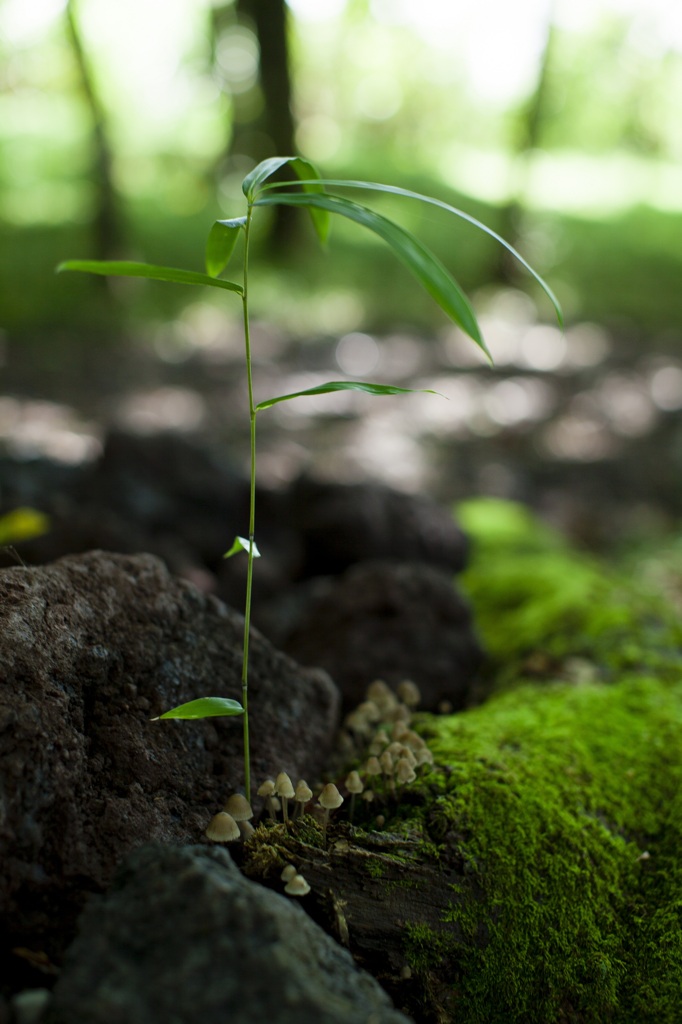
point(384, 620)
point(91, 648)
point(183, 936)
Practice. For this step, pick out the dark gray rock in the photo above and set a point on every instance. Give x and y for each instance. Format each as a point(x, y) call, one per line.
point(385, 620)
point(183, 937)
point(342, 524)
point(91, 648)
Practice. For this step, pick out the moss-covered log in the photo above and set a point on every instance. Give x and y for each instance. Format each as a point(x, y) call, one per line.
point(533, 876)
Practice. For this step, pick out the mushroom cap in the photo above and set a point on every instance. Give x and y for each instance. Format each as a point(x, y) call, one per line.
point(409, 693)
point(246, 829)
point(404, 771)
point(267, 788)
point(386, 762)
point(222, 828)
point(354, 783)
point(399, 732)
point(284, 787)
point(297, 886)
point(373, 766)
point(239, 807)
point(414, 740)
point(378, 689)
point(303, 793)
point(330, 798)
point(424, 756)
point(369, 711)
point(288, 872)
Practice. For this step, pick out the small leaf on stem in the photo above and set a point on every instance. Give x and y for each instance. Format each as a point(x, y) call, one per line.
point(241, 544)
point(308, 174)
point(204, 707)
point(220, 244)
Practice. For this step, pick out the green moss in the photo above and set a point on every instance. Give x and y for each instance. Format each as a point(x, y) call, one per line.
point(558, 792)
point(376, 868)
point(533, 595)
point(425, 948)
point(565, 798)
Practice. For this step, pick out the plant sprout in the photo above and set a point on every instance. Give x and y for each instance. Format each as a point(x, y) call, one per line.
point(310, 191)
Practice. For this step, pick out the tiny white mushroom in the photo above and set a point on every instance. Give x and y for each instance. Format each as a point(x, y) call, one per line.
point(369, 711)
point(404, 772)
point(246, 829)
point(377, 690)
point(409, 693)
point(239, 807)
point(354, 785)
point(267, 790)
point(424, 756)
point(285, 791)
point(377, 745)
point(297, 886)
point(382, 696)
point(302, 794)
point(329, 799)
point(288, 872)
point(399, 731)
point(222, 828)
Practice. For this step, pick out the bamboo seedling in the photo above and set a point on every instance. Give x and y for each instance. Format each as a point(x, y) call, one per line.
point(310, 192)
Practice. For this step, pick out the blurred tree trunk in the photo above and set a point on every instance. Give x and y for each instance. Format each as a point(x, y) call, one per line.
point(106, 221)
point(270, 129)
point(269, 19)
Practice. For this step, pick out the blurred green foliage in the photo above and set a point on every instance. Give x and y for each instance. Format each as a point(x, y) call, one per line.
point(374, 98)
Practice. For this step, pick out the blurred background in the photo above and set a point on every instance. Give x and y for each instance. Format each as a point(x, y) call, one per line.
point(126, 129)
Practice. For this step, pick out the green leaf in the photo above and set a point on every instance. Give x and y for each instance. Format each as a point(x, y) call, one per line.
point(345, 385)
point(23, 524)
point(395, 190)
point(241, 544)
point(204, 707)
point(309, 180)
point(220, 244)
point(123, 268)
point(426, 267)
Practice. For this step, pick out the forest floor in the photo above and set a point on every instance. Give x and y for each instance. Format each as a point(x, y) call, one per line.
point(583, 427)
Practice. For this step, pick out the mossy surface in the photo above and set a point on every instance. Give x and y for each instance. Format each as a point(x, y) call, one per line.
point(563, 798)
point(537, 603)
point(565, 802)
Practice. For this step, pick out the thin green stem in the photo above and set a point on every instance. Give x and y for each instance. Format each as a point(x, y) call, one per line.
point(252, 513)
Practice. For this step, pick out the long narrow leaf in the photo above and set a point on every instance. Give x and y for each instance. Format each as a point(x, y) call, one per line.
point(426, 267)
point(395, 190)
point(344, 385)
point(308, 179)
point(204, 707)
point(123, 268)
point(220, 244)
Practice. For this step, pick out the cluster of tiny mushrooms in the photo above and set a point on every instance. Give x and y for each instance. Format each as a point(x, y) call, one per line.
point(392, 755)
